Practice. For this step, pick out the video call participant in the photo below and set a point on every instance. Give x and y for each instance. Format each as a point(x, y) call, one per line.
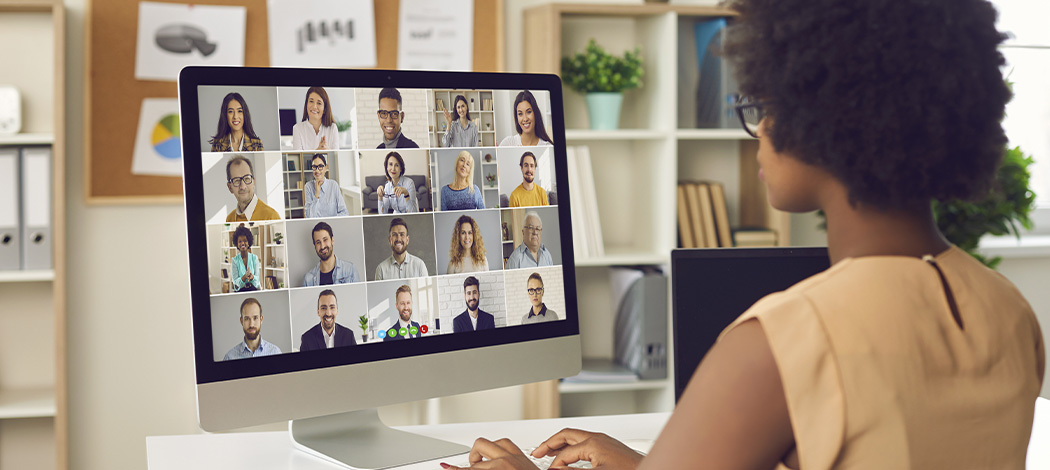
point(467, 253)
point(327, 334)
point(317, 130)
point(398, 194)
point(323, 197)
point(892, 357)
point(539, 312)
point(531, 252)
point(403, 303)
point(253, 345)
point(401, 264)
point(528, 121)
point(240, 180)
point(330, 269)
point(235, 132)
point(246, 266)
point(462, 193)
point(390, 118)
point(473, 318)
point(528, 193)
point(461, 132)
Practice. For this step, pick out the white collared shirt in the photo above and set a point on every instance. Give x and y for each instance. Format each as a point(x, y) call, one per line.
point(250, 209)
point(240, 145)
point(329, 339)
point(473, 321)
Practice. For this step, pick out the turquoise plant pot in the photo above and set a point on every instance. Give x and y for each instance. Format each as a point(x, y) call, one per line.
point(604, 110)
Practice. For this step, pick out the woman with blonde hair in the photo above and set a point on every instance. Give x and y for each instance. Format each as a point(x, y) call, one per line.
point(461, 193)
point(467, 253)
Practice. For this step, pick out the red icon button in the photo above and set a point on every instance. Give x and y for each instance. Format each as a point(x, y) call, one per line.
point(424, 329)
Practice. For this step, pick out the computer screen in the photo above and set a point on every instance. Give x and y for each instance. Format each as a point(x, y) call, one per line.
point(410, 239)
point(711, 287)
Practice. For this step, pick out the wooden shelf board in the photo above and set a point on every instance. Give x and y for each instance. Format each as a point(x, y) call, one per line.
point(712, 134)
point(618, 134)
point(617, 258)
point(27, 276)
point(28, 139)
point(30, 403)
point(564, 387)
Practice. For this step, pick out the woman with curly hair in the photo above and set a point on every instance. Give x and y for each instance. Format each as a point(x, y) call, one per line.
point(234, 132)
point(245, 265)
point(467, 253)
point(907, 352)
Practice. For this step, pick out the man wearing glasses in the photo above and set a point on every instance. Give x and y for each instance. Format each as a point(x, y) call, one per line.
point(528, 193)
point(323, 197)
point(539, 312)
point(530, 253)
point(390, 118)
point(240, 179)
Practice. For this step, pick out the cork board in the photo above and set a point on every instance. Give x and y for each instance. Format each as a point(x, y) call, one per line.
point(114, 96)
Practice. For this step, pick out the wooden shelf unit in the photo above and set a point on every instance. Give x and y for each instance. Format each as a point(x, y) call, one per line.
point(651, 153)
point(479, 104)
point(33, 394)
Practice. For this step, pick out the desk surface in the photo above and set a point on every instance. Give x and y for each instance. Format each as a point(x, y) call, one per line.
point(274, 450)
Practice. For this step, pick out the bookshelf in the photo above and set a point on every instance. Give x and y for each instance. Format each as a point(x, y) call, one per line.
point(33, 419)
point(295, 178)
point(654, 150)
point(479, 102)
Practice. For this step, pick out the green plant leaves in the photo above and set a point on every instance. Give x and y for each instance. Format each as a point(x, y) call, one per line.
point(596, 70)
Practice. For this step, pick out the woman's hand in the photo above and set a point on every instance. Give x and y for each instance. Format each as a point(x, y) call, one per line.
point(400, 192)
point(246, 277)
point(323, 144)
point(602, 451)
point(379, 191)
point(502, 454)
point(448, 117)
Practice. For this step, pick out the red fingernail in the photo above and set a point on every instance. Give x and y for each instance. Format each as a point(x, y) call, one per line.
point(445, 465)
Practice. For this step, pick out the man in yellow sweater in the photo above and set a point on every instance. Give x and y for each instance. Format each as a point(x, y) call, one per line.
point(240, 179)
point(528, 193)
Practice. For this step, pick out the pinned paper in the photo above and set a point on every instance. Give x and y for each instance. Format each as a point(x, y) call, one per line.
point(322, 33)
point(436, 35)
point(158, 145)
point(172, 36)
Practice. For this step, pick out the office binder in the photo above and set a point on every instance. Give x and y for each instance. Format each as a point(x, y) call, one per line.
point(36, 208)
point(10, 208)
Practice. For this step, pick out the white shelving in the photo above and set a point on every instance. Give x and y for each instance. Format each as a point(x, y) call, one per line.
point(34, 138)
point(570, 387)
point(27, 276)
point(619, 134)
point(32, 403)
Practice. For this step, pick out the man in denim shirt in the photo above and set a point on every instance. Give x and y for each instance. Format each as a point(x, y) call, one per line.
point(330, 270)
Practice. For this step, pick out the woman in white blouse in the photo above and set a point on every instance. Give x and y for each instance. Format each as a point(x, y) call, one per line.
point(461, 132)
point(528, 121)
point(467, 253)
point(317, 130)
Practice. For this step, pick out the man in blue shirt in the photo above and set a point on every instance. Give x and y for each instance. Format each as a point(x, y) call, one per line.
point(330, 270)
point(253, 345)
point(531, 253)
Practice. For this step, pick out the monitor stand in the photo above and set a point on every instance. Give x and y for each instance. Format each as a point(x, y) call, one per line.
point(359, 439)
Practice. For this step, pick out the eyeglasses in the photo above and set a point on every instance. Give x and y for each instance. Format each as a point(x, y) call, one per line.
point(538, 290)
point(384, 114)
point(751, 112)
point(533, 228)
point(246, 179)
point(318, 167)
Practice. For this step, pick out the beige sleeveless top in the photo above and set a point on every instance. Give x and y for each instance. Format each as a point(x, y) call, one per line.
point(878, 373)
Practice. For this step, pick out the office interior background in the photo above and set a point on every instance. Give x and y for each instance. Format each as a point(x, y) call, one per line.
point(128, 350)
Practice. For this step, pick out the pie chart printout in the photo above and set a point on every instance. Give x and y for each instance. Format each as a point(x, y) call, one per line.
point(166, 137)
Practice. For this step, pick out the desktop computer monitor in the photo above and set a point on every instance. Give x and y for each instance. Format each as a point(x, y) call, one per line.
point(711, 287)
point(411, 240)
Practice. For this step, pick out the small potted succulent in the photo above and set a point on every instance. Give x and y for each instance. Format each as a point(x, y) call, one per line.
point(363, 321)
point(277, 237)
point(602, 78)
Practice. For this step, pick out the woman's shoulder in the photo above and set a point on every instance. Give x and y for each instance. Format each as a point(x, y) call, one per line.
point(511, 140)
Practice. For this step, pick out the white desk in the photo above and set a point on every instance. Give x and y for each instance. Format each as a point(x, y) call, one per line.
point(274, 450)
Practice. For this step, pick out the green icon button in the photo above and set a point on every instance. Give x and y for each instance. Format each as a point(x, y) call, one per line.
point(403, 332)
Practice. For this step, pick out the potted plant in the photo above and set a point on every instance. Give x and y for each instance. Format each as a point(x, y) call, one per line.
point(602, 78)
point(277, 237)
point(490, 179)
point(344, 132)
point(363, 319)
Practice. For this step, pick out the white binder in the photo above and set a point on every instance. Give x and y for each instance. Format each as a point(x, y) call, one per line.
point(36, 208)
point(10, 206)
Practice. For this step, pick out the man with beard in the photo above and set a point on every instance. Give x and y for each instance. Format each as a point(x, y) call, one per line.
point(401, 264)
point(404, 327)
point(530, 253)
point(528, 193)
point(240, 180)
point(327, 334)
point(474, 318)
point(253, 345)
point(330, 270)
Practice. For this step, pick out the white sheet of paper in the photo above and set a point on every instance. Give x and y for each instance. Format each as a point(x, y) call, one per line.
point(172, 36)
point(322, 33)
point(436, 35)
point(158, 150)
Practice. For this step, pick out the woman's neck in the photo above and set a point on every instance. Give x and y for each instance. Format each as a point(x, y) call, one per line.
point(856, 231)
point(464, 122)
point(459, 183)
point(529, 139)
point(236, 136)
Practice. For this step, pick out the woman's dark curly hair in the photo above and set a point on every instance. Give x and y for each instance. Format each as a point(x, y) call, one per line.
point(901, 100)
